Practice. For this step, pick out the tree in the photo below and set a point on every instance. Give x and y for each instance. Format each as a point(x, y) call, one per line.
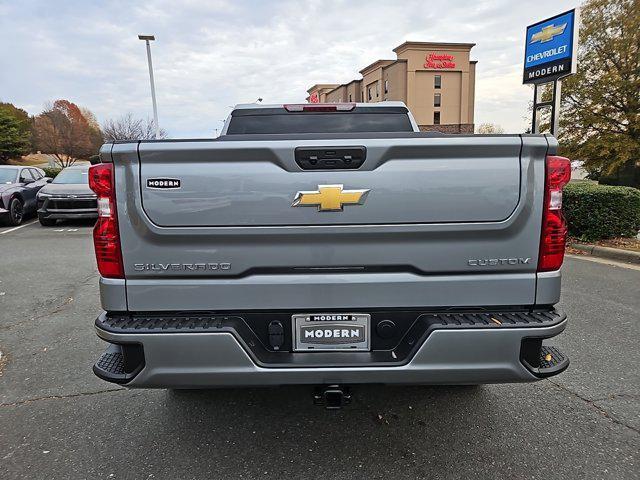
point(489, 128)
point(127, 127)
point(20, 115)
point(14, 140)
point(94, 127)
point(600, 121)
point(63, 131)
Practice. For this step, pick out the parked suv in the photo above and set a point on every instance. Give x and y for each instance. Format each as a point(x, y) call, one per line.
point(67, 197)
point(18, 189)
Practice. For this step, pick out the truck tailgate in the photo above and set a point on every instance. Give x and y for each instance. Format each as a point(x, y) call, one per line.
point(447, 221)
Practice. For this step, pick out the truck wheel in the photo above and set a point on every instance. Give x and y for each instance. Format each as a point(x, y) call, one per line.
point(46, 222)
point(16, 211)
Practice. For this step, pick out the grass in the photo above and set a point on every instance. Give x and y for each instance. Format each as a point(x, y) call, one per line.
point(37, 159)
point(31, 160)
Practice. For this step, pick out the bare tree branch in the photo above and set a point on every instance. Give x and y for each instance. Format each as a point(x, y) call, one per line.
point(127, 127)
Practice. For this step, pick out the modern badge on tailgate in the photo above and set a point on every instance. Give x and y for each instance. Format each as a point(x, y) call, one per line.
point(163, 183)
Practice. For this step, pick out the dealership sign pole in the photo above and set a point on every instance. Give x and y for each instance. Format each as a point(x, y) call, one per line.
point(550, 54)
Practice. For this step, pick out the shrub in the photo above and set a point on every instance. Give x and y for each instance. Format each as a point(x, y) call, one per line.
point(595, 212)
point(51, 171)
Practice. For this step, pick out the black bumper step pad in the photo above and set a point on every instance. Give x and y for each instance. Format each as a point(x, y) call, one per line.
point(120, 363)
point(168, 323)
point(495, 319)
point(549, 361)
point(552, 360)
point(111, 362)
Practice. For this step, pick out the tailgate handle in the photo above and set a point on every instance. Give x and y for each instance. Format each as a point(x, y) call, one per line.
point(331, 158)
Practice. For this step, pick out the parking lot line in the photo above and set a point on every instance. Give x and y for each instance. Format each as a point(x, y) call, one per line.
point(18, 227)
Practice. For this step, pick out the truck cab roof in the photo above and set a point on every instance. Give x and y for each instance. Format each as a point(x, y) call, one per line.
point(333, 118)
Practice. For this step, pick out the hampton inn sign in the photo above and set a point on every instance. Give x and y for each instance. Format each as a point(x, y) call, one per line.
point(435, 60)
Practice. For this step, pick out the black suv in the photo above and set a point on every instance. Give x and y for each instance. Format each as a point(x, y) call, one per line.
point(67, 197)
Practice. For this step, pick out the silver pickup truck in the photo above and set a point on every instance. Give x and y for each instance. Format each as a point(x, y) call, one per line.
point(329, 245)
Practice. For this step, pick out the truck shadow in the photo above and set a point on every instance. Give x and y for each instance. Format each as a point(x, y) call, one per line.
point(74, 223)
point(383, 423)
point(300, 396)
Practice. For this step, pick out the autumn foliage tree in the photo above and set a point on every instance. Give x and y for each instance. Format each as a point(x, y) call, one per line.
point(63, 131)
point(600, 121)
point(94, 127)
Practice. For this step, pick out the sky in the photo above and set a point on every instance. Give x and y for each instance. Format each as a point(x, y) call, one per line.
point(212, 54)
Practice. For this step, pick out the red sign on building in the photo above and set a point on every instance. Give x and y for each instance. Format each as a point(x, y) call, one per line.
point(439, 61)
point(314, 98)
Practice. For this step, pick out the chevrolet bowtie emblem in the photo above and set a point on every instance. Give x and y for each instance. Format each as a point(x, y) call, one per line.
point(330, 198)
point(547, 33)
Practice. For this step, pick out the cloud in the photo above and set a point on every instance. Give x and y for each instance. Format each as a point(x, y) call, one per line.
point(209, 55)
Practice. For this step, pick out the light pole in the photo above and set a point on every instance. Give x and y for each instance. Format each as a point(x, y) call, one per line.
point(148, 38)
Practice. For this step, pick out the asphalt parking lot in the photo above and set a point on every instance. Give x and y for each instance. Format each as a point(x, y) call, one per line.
point(57, 420)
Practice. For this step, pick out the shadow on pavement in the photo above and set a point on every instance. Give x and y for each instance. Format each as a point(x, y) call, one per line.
point(74, 223)
point(385, 427)
point(435, 411)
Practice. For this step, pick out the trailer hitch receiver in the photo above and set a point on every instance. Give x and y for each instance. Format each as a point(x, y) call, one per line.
point(333, 397)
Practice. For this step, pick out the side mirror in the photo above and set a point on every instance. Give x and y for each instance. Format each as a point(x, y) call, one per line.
point(48, 179)
point(26, 181)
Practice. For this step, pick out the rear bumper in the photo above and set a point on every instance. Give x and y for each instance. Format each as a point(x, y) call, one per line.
point(444, 355)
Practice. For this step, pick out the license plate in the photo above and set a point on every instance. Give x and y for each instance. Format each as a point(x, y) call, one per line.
point(331, 331)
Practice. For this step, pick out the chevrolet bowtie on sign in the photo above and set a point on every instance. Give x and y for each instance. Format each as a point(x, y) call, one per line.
point(550, 49)
point(330, 198)
point(547, 33)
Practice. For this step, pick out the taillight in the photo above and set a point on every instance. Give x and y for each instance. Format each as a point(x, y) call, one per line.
point(554, 228)
point(320, 107)
point(106, 236)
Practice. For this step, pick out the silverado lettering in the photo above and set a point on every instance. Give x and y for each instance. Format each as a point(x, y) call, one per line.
point(162, 267)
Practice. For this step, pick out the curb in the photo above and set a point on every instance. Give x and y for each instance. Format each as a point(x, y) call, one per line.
point(628, 256)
